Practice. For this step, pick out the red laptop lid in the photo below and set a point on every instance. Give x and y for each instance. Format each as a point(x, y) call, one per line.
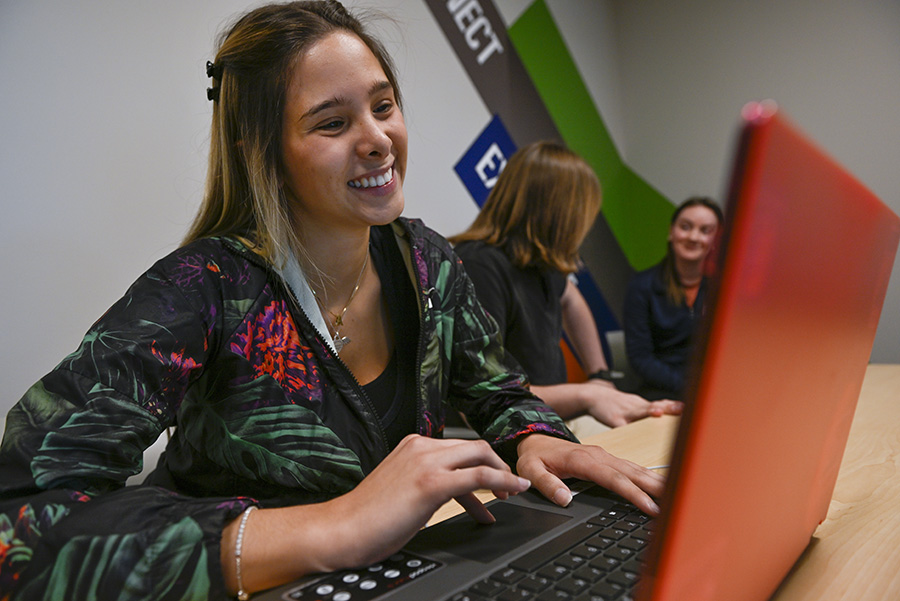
point(807, 255)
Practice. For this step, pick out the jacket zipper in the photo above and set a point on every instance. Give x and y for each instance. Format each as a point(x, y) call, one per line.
point(359, 389)
point(424, 299)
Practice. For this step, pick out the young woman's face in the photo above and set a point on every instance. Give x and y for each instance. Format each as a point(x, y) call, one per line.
point(344, 140)
point(693, 233)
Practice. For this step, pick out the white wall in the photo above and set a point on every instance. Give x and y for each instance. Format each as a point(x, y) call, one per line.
point(833, 66)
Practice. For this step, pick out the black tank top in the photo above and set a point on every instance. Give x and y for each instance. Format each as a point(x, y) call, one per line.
point(393, 393)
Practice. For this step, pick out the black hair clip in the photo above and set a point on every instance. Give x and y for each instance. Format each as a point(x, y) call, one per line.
point(215, 72)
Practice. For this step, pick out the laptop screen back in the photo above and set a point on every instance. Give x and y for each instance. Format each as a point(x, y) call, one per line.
point(779, 364)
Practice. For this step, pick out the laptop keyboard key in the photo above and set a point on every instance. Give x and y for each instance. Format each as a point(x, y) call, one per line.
point(599, 541)
point(606, 590)
point(619, 553)
point(605, 563)
point(586, 550)
point(572, 562)
point(573, 585)
point(589, 573)
point(514, 595)
point(633, 543)
point(613, 533)
point(554, 595)
point(553, 548)
point(553, 572)
point(602, 520)
point(487, 588)
point(624, 579)
point(628, 525)
point(508, 575)
point(534, 583)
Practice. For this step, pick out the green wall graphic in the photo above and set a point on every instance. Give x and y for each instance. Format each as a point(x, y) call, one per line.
point(637, 214)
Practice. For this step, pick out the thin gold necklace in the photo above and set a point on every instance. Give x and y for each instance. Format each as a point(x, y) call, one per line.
point(338, 318)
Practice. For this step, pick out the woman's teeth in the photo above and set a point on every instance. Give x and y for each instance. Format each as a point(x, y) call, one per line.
point(371, 182)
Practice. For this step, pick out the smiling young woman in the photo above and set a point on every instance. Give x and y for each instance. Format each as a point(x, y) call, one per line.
point(305, 343)
point(663, 303)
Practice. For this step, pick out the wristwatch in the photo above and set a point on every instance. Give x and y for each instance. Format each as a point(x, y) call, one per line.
point(606, 374)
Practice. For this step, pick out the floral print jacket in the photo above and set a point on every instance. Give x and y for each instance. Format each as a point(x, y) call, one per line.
point(210, 341)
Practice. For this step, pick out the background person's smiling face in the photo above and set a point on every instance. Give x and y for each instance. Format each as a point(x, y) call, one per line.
point(693, 233)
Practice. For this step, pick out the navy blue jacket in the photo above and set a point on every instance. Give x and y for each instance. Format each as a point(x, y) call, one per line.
point(658, 333)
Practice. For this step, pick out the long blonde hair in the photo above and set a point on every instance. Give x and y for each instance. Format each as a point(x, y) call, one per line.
point(251, 73)
point(541, 208)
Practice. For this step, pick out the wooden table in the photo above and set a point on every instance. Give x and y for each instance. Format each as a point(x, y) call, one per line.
point(855, 552)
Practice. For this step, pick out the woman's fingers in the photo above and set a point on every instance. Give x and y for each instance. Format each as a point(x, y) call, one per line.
point(424, 473)
point(665, 407)
point(400, 495)
point(550, 486)
point(630, 485)
point(475, 508)
point(546, 461)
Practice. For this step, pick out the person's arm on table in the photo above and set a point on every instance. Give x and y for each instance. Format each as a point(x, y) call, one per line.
point(598, 398)
point(602, 401)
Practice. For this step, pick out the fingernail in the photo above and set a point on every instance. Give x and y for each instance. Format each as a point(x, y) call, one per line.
point(655, 508)
point(524, 484)
point(562, 497)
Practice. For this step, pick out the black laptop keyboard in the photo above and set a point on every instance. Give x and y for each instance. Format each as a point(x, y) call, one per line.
point(597, 561)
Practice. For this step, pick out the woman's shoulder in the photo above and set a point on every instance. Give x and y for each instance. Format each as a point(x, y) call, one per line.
point(216, 248)
point(647, 279)
point(415, 230)
point(480, 252)
point(225, 260)
point(427, 244)
point(650, 274)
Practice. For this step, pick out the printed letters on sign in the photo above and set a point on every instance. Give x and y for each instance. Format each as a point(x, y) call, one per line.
point(494, 161)
point(482, 163)
point(475, 27)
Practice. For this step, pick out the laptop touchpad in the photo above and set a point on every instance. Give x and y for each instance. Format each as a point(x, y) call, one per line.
point(462, 536)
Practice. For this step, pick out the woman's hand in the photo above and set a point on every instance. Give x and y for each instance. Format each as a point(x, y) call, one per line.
point(605, 403)
point(546, 461)
point(602, 401)
point(416, 479)
point(372, 521)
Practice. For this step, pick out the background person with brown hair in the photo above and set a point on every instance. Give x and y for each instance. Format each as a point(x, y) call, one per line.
point(519, 252)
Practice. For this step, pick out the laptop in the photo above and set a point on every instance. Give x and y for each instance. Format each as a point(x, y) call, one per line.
point(778, 365)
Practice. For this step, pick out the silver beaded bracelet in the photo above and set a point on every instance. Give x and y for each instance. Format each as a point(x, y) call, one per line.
point(242, 595)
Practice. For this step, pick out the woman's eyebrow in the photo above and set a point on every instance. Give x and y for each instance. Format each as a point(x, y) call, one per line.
point(322, 106)
point(377, 87)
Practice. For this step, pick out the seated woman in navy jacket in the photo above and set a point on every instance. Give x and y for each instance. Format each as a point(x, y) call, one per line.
point(663, 303)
